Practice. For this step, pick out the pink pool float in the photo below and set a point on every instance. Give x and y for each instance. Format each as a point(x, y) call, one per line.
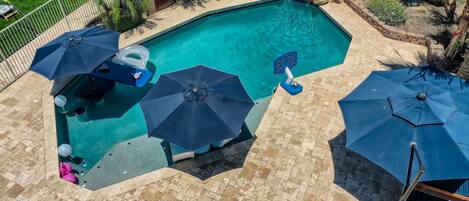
point(70, 177)
point(66, 172)
point(65, 168)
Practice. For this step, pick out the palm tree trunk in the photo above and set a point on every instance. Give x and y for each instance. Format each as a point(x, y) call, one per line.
point(450, 10)
point(459, 36)
point(463, 71)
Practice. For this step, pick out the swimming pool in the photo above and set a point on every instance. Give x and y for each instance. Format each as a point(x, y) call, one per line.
point(246, 41)
point(242, 41)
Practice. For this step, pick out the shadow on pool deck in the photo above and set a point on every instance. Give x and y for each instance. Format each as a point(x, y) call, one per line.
point(398, 63)
point(217, 161)
point(359, 176)
point(233, 155)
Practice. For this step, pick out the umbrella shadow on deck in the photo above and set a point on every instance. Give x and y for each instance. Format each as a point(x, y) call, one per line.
point(217, 161)
point(360, 177)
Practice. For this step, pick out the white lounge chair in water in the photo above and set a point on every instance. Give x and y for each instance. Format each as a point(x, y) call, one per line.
point(222, 143)
point(180, 153)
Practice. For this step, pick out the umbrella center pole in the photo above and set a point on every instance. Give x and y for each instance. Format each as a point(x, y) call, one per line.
point(289, 76)
point(421, 96)
point(195, 93)
point(290, 85)
point(409, 188)
point(72, 41)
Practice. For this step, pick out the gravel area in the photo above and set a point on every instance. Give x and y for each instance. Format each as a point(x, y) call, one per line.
point(429, 20)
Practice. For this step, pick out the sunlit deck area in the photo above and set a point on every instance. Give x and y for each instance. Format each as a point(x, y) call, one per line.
point(298, 152)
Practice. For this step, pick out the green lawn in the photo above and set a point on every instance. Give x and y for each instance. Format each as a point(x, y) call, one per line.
point(25, 6)
point(29, 28)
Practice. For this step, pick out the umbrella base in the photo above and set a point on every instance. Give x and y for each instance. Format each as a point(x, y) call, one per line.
point(292, 90)
point(94, 89)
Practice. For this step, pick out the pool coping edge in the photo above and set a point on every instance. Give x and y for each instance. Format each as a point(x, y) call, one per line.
point(50, 138)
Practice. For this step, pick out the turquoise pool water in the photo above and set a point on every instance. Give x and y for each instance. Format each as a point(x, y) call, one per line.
point(242, 41)
point(247, 41)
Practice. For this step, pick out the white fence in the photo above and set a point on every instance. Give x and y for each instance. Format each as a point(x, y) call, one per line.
point(19, 41)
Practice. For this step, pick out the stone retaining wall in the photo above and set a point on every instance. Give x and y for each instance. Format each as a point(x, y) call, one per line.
point(387, 31)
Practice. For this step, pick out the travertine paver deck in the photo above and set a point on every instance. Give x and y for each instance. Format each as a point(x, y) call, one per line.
point(298, 154)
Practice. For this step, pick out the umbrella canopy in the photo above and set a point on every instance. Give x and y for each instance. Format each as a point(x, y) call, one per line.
point(391, 109)
point(195, 107)
point(75, 52)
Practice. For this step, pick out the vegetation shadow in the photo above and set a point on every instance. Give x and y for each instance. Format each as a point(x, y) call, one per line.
point(149, 24)
point(398, 63)
point(424, 70)
point(192, 4)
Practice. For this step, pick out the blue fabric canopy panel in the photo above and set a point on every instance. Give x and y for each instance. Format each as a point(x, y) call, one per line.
point(75, 52)
point(391, 109)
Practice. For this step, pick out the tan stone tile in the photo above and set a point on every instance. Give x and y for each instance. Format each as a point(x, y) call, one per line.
point(14, 191)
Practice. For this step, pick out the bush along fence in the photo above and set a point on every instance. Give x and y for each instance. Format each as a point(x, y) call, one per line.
point(19, 41)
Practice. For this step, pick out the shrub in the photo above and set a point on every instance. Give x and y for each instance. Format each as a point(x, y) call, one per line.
point(122, 15)
point(391, 12)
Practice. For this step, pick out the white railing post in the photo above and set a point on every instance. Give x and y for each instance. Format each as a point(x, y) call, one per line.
point(64, 14)
point(9, 67)
point(21, 38)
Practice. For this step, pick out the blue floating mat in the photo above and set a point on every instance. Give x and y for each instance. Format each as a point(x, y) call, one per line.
point(292, 90)
point(123, 74)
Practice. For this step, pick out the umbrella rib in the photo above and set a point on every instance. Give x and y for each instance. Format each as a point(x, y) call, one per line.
point(83, 59)
point(169, 114)
point(59, 61)
point(221, 80)
point(375, 126)
point(224, 123)
point(173, 79)
point(98, 45)
point(232, 98)
point(451, 137)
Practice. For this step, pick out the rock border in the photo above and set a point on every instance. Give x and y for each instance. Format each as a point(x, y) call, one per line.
point(388, 31)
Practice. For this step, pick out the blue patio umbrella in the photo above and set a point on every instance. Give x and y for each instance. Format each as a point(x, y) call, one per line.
point(75, 52)
point(392, 109)
point(196, 106)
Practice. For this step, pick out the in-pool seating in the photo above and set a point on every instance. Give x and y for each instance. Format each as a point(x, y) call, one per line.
point(222, 143)
point(94, 88)
point(180, 153)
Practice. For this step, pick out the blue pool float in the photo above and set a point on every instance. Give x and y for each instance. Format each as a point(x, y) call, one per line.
point(124, 74)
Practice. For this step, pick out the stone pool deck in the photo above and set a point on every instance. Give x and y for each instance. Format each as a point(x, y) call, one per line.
point(298, 153)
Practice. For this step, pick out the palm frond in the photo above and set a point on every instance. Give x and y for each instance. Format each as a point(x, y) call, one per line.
point(116, 11)
point(132, 9)
point(145, 5)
